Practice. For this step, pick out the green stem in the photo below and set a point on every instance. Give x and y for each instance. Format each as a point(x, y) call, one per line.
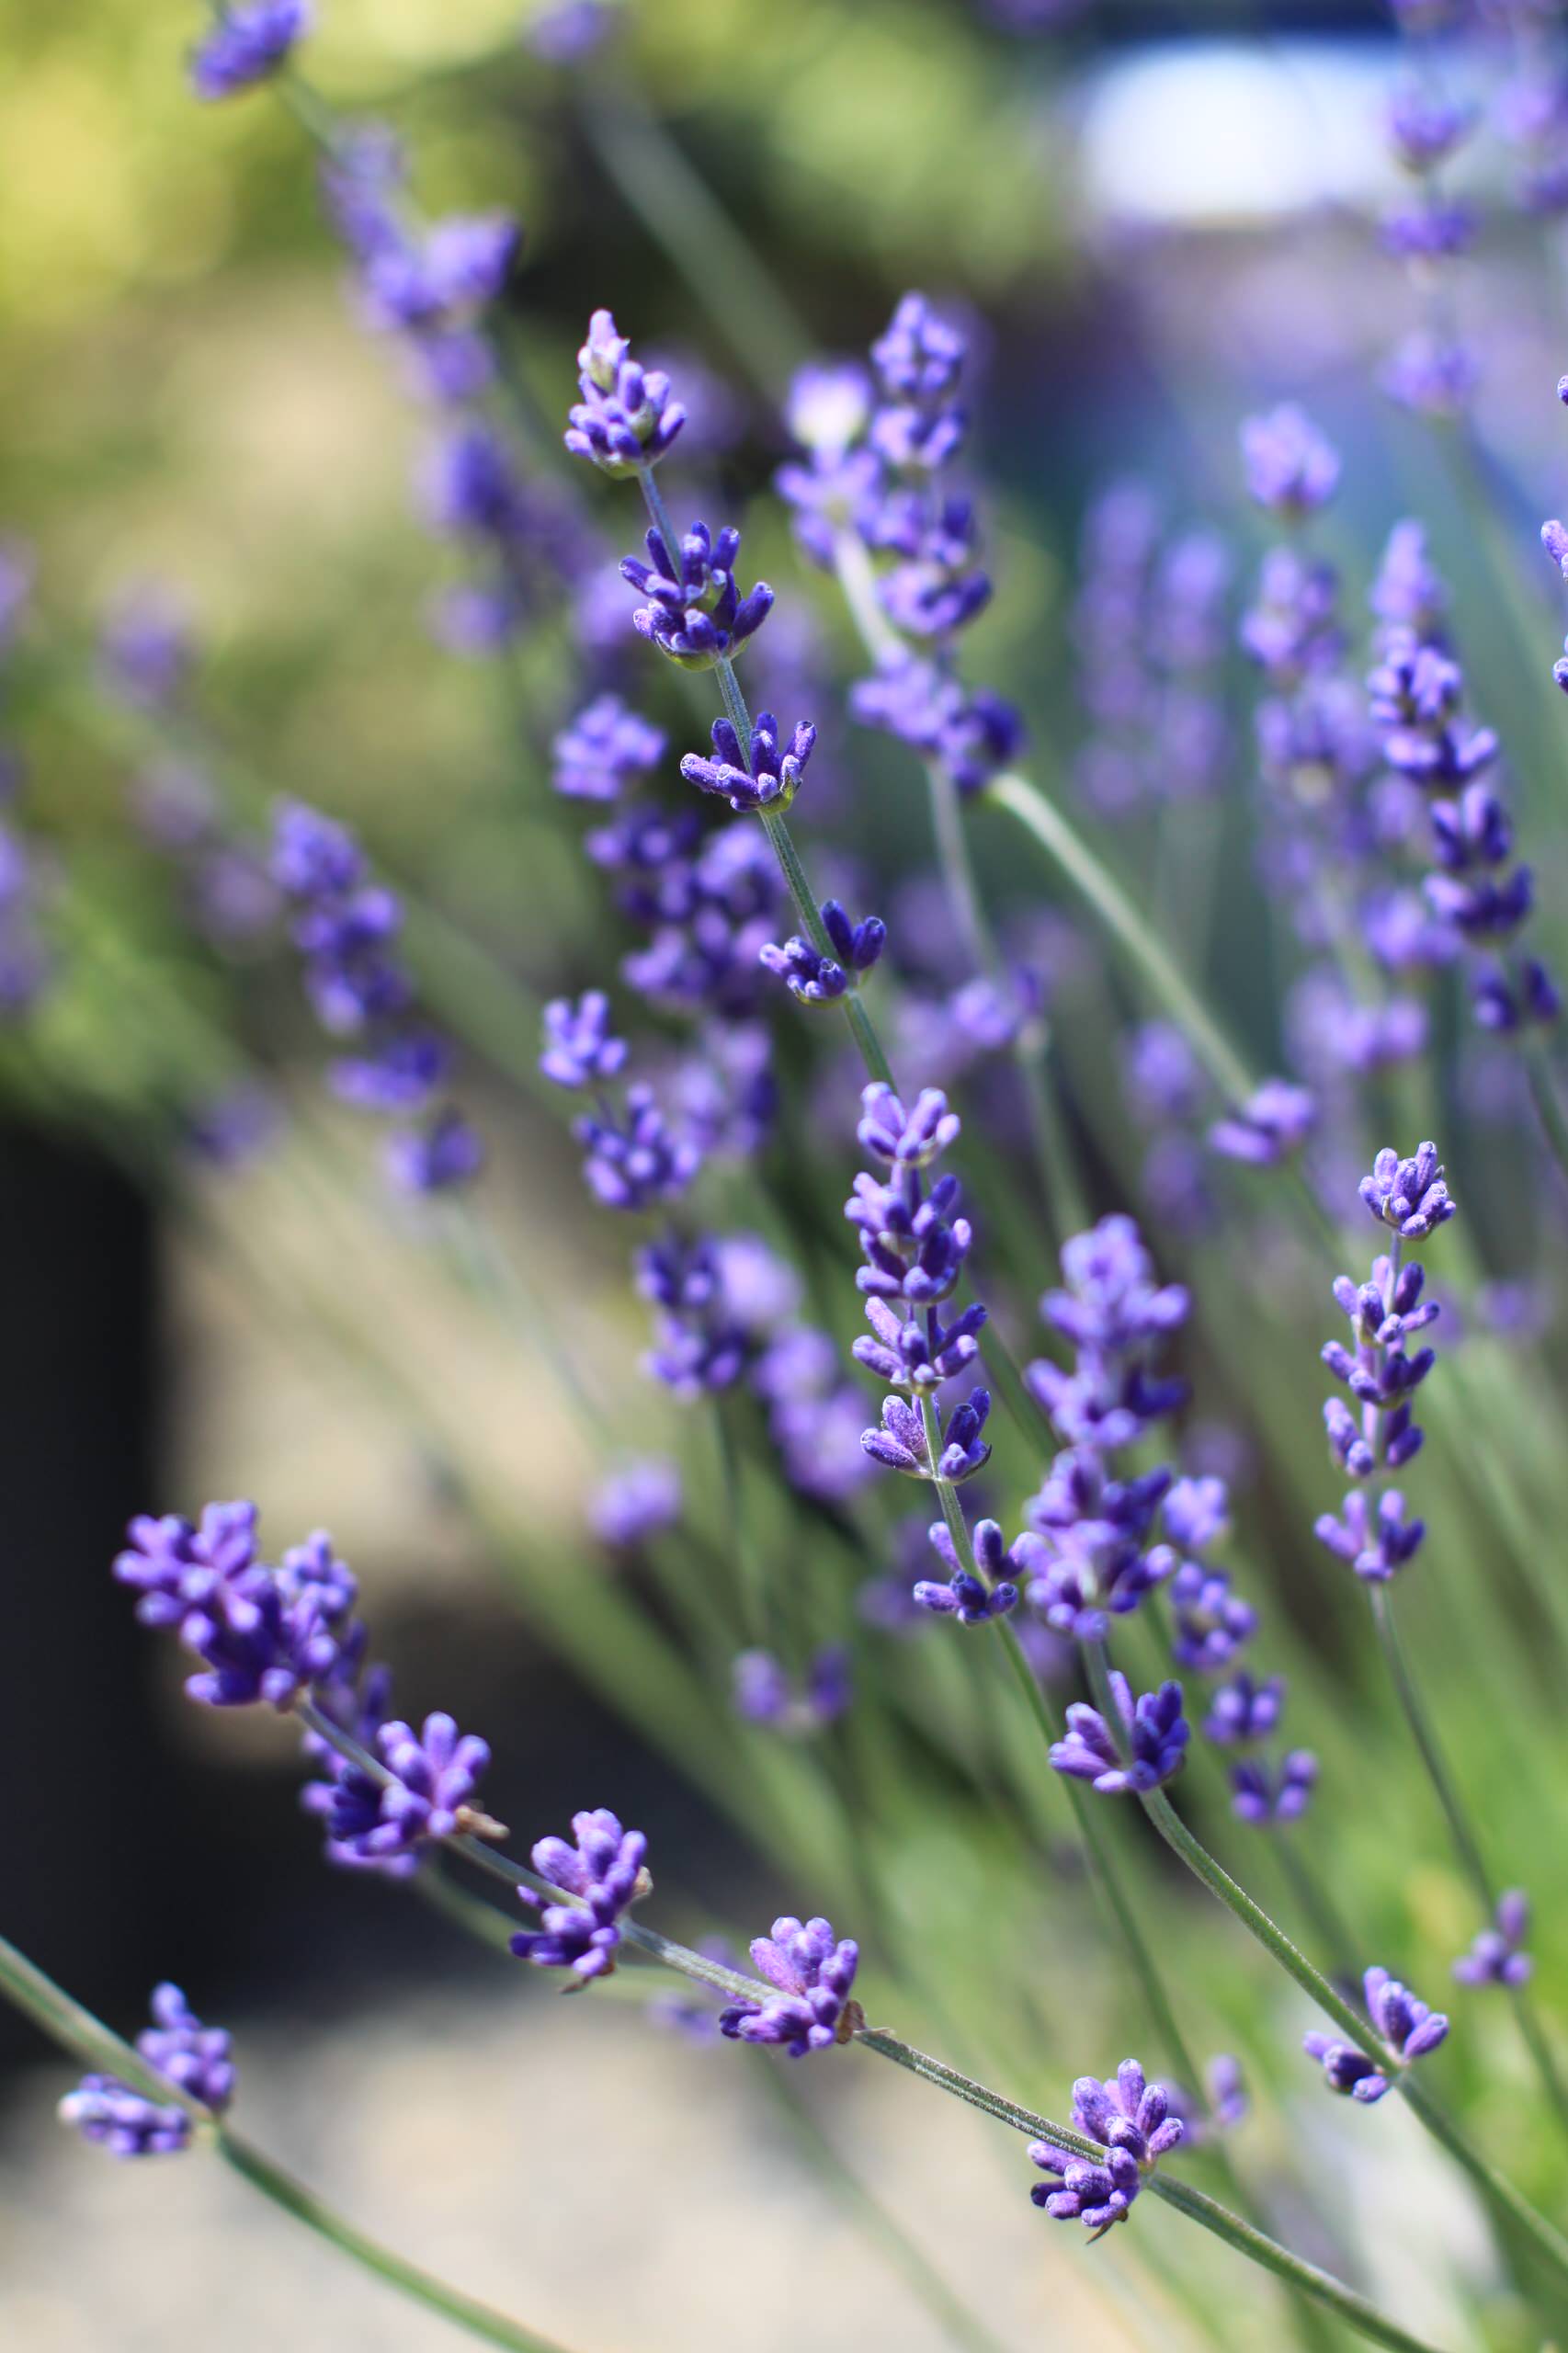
point(1548, 1105)
point(1095, 882)
point(480, 2320)
point(1177, 1837)
point(1355, 2310)
point(1467, 1845)
point(87, 2037)
point(697, 235)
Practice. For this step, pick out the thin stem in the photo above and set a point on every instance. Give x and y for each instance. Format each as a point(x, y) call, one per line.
point(1095, 882)
point(696, 234)
point(480, 2320)
point(1355, 2310)
point(76, 2030)
point(1467, 1845)
point(1214, 2217)
point(1548, 1107)
point(1322, 2286)
point(1177, 1837)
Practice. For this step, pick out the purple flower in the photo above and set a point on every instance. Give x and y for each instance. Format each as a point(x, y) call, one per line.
point(1290, 469)
point(1088, 1553)
point(446, 1153)
point(1134, 2122)
point(695, 613)
point(127, 2123)
point(1495, 1957)
point(637, 1162)
point(579, 1050)
point(1262, 1793)
point(1211, 1623)
point(1153, 1733)
point(1431, 373)
point(899, 1444)
point(973, 1601)
point(1244, 1710)
point(1376, 1551)
point(1274, 1122)
point(971, 731)
point(1406, 2026)
point(1408, 593)
point(1425, 126)
point(813, 1974)
point(1196, 1513)
point(1381, 1374)
point(764, 777)
point(633, 1504)
point(145, 649)
point(401, 1074)
point(247, 45)
point(569, 31)
point(606, 748)
point(626, 420)
point(432, 1793)
point(606, 1873)
point(763, 1694)
point(815, 979)
point(922, 1353)
point(1116, 1317)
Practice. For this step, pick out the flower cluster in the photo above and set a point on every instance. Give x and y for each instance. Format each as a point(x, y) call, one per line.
point(763, 1694)
point(814, 1973)
point(247, 45)
point(1149, 631)
point(626, 420)
point(428, 1791)
point(1415, 697)
point(1430, 370)
point(347, 930)
point(872, 480)
point(1408, 2027)
point(193, 2056)
point(1496, 1956)
point(696, 615)
point(1146, 1748)
point(813, 978)
point(264, 1634)
point(1135, 2124)
point(603, 1874)
point(1382, 1371)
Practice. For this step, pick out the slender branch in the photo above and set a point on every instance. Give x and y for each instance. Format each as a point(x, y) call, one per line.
point(1467, 1844)
point(76, 2030)
point(1095, 882)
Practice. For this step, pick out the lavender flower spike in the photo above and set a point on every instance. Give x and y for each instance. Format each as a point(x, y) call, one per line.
point(578, 1049)
point(1136, 2124)
point(606, 1873)
point(815, 979)
point(760, 776)
point(695, 613)
point(1407, 2026)
point(813, 1972)
point(247, 45)
point(127, 2123)
point(1155, 1735)
point(1290, 469)
point(974, 1602)
point(899, 1444)
point(1409, 1195)
point(1272, 1123)
point(1495, 1958)
point(626, 419)
point(432, 1794)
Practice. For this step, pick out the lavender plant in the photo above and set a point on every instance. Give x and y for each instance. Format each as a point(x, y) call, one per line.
point(913, 1719)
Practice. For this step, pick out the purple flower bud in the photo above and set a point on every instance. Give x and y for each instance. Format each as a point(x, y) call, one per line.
point(1147, 1748)
point(633, 1504)
point(1290, 469)
point(1263, 1793)
point(247, 45)
point(1495, 1957)
point(626, 420)
point(579, 1050)
point(1409, 1195)
point(814, 1973)
point(606, 748)
point(1136, 2124)
point(606, 1873)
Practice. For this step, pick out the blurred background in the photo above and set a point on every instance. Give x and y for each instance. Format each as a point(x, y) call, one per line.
point(1151, 220)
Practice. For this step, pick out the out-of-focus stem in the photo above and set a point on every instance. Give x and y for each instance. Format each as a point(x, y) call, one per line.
point(75, 2029)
